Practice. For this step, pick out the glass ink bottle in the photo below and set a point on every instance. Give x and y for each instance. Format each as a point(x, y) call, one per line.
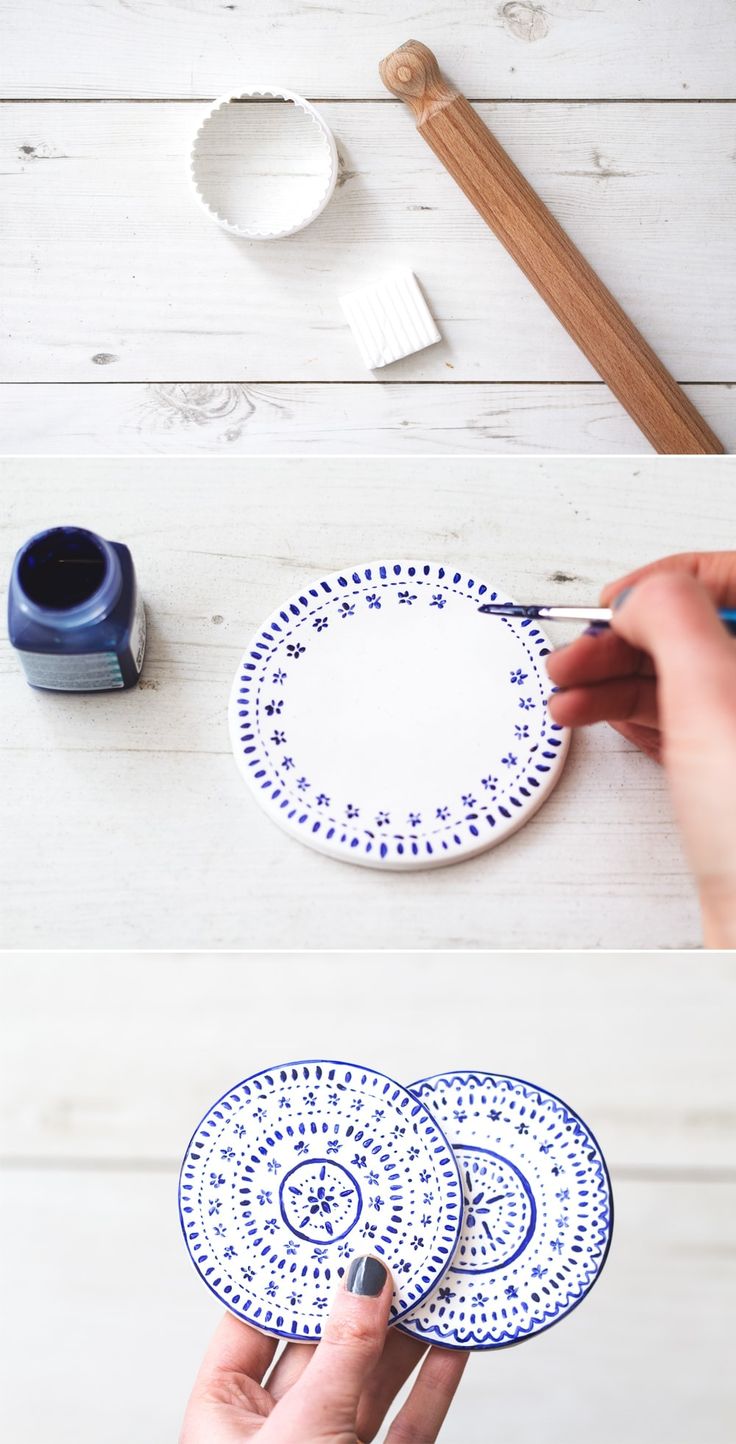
point(75, 615)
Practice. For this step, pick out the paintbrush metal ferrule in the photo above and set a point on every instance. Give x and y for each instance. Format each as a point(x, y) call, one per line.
point(547, 613)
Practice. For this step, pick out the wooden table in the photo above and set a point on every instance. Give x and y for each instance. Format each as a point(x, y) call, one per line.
point(108, 1063)
point(134, 324)
point(126, 823)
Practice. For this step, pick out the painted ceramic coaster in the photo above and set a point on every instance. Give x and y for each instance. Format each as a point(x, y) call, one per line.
point(299, 1169)
point(537, 1212)
point(380, 718)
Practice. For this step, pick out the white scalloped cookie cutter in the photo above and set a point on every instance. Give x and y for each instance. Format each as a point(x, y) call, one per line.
point(263, 171)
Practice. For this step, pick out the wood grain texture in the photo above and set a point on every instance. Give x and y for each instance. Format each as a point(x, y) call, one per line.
point(234, 419)
point(108, 1061)
point(556, 268)
point(112, 273)
point(70, 1027)
point(190, 861)
point(185, 48)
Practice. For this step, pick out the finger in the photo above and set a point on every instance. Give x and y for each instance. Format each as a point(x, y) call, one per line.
point(399, 1359)
point(235, 1350)
point(595, 659)
point(420, 1419)
point(671, 617)
point(647, 739)
point(288, 1368)
point(626, 699)
point(329, 1389)
point(716, 572)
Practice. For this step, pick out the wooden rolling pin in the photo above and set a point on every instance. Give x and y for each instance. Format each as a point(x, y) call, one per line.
point(546, 254)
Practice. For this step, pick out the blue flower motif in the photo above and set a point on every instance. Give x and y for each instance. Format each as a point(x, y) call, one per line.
point(279, 738)
point(538, 1272)
point(271, 1225)
point(372, 1180)
point(407, 599)
point(512, 1292)
point(320, 623)
point(494, 1115)
point(227, 1153)
point(378, 1114)
point(459, 1115)
point(333, 1146)
point(347, 609)
point(320, 1254)
point(302, 784)
point(468, 800)
point(264, 1196)
point(545, 1148)
point(562, 1223)
point(479, 1300)
point(323, 800)
point(509, 760)
point(563, 1195)
point(271, 1289)
point(518, 676)
point(359, 1161)
point(217, 1180)
point(522, 1128)
point(320, 1303)
point(301, 1147)
point(215, 1205)
point(527, 704)
point(521, 730)
point(443, 813)
point(417, 1241)
point(490, 783)
point(438, 601)
point(240, 1130)
point(556, 1244)
point(248, 1273)
point(310, 1099)
point(220, 1230)
point(229, 1252)
point(382, 819)
point(370, 1230)
point(284, 1102)
point(273, 708)
point(412, 1152)
point(425, 1176)
point(374, 602)
point(279, 677)
point(446, 1295)
point(295, 650)
point(273, 1165)
point(292, 1247)
point(376, 1202)
point(351, 811)
point(414, 819)
point(287, 763)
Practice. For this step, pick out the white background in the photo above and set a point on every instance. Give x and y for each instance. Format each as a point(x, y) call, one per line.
point(109, 1062)
point(126, 822)
point(133, 323)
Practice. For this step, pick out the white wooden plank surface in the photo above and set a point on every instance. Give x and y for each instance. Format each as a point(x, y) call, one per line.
point(641, 1044)
point(210, 418)
point(142, 832)
point(107, 1061)
point(113, 272)
point(521, 49)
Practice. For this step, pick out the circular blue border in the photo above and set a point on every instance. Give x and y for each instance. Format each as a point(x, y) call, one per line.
point(473, 832)
point(479, 1075)
point(452, 1241)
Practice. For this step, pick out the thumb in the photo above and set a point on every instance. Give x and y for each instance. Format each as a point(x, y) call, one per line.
point(325, 1400)
point(670, 616)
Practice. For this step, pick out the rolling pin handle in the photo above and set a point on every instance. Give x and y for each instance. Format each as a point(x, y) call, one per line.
point(412, 74)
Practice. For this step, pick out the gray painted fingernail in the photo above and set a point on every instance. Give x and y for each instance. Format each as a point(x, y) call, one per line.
point(619, 600)
point(366, 1276)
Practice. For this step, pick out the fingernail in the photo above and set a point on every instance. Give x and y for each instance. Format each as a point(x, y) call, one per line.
point(366, 1276)
point(619, 600)
point(596, 629)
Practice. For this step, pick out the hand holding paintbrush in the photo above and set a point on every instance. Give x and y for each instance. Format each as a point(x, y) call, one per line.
point(663, 674)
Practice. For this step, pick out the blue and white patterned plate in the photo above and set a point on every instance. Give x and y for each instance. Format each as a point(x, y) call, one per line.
point(380, 718)
point(299, 1169)
point(537, 1212)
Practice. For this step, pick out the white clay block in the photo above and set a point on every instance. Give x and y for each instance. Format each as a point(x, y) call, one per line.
point(390, 320)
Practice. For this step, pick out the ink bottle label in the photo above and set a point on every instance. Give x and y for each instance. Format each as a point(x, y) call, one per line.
point(75, 614)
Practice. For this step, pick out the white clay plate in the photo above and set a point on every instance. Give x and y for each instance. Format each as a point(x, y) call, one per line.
point(303, 1167)
point(537, 1212)
point(380, 718)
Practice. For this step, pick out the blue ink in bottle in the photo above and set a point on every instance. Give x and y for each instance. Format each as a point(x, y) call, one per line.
point(75, 615)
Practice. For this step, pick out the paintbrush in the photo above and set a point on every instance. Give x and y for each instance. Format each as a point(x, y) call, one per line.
point(599, 616)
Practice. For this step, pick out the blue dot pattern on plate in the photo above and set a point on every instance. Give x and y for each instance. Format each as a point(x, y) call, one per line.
point(537, 1206)
point(512, 763)
point(299, 1169)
